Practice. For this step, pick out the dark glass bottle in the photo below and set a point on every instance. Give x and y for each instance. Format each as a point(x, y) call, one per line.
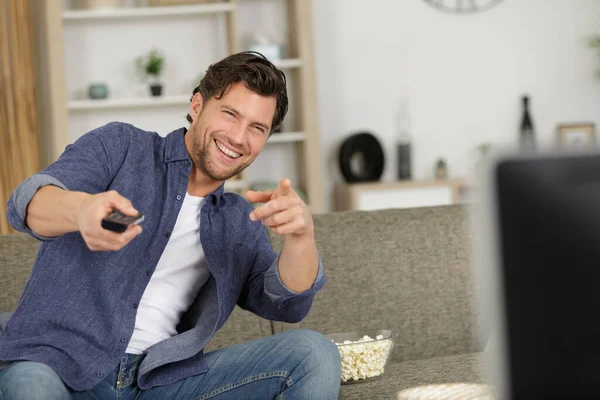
point(527, 130)
point(403, 142)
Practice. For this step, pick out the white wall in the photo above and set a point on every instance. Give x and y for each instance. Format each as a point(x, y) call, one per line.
point(463, 75)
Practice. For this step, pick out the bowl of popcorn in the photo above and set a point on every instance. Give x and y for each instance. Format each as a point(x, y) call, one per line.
point(363, 354)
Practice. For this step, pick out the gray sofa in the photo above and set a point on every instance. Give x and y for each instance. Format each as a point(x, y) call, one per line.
point(404, 270)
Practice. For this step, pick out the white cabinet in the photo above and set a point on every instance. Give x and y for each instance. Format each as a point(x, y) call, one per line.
point(410, 194)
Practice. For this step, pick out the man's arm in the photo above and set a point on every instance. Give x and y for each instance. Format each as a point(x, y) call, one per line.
point(286, 214)
point(299, 262)
point(282, 287)
point(54, 211)
point(265, 293)
point(69, 195)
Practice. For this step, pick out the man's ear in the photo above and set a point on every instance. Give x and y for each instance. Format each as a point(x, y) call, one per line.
point(196, 106)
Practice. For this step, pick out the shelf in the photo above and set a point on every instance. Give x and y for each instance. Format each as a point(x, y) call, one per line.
point(145, 12)
point(288, 63)
point(141, 102)
point(286, 137)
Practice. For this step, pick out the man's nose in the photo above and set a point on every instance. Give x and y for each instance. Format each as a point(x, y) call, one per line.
point(236, 134)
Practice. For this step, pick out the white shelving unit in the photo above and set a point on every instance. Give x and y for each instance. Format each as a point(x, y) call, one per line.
point(286, 137)
point(288, 63)
point(139, 102)
point(68, 48)
point(234, 185)
point(145, 12)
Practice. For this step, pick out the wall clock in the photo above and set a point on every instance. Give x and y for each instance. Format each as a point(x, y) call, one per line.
point(463, 6)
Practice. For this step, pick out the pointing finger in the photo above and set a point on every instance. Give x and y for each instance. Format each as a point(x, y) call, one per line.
point(259, 197)
point(284, 187)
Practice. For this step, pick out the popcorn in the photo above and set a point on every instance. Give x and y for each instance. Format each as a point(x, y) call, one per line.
point(363, 358)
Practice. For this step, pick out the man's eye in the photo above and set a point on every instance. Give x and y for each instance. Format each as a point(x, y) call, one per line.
point(229, 113)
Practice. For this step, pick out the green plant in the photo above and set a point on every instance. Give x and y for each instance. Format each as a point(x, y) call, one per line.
point(484, 149)
point(151, 65)
point(594, 43)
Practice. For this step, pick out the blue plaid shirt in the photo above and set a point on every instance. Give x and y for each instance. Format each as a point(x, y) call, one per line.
point(78, 309)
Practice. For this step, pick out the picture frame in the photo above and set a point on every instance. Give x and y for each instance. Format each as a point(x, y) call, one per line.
point(577, 136)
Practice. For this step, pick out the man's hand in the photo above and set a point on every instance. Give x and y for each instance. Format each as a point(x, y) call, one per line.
point(89, 221)
point(283, 210)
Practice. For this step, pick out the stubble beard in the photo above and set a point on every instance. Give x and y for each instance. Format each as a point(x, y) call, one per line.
point(201, 152)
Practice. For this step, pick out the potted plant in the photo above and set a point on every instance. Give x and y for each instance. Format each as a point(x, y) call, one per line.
point(151, 67)
point(441, 169)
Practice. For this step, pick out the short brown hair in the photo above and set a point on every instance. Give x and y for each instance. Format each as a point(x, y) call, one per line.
point(255, 72)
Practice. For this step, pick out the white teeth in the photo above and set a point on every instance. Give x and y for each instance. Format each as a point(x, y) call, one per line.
point(226, 150)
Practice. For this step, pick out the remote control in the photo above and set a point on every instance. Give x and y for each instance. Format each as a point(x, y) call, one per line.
point(118, 222)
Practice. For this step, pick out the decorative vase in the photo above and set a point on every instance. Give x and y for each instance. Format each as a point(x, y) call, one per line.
point(156, 89)
point(98, 90)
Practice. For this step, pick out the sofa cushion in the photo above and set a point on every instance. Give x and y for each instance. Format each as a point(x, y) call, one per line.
point(405, 269)
point(403, 375)
point(17, 255)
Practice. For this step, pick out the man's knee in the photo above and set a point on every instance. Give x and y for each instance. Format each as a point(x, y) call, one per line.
point(28, 380)
point(317, 349)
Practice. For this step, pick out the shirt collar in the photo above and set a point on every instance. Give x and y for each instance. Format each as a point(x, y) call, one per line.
point(175, 150)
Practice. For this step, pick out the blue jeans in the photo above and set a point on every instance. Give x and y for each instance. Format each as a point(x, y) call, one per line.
point(299, 364)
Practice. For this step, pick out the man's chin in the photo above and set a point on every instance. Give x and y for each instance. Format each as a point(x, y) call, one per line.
point(222, 176)
point(212, 170)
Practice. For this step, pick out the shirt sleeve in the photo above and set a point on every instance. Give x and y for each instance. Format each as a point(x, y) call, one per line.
point(16, 211)
point(87, 165)
point(274, 286)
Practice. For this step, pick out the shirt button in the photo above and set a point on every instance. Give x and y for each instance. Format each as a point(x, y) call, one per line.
point(187, 163)
point(178, 197)
point(149, 273)
point(123, 340)
point(135, 305)
point(168, 235)
point(99, 374)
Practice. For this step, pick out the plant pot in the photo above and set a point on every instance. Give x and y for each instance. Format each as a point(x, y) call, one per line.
point(156, 89)
point(441, 170)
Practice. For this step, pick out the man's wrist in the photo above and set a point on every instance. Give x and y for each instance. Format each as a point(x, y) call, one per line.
point(307, 235)
point(79, 200)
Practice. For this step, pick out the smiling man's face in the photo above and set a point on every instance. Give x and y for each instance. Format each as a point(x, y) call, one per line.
point(227, 134)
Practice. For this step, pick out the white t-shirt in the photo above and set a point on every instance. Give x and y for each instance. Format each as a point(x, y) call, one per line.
point(179, 275)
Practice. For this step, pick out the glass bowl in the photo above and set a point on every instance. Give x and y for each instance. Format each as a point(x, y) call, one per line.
point(364, 354)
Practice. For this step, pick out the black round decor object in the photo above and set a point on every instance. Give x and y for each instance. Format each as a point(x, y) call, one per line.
point(364, 145)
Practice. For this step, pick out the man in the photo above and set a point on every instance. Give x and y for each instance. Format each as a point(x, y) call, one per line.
point(126, 315)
